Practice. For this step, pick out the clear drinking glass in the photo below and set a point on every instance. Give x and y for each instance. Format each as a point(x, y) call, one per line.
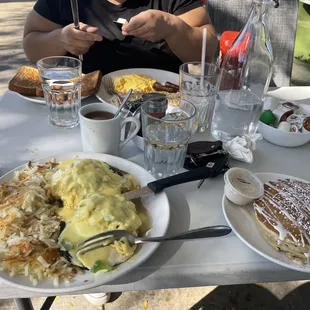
point(200, 90)
point(61, 83)
point(166, 138)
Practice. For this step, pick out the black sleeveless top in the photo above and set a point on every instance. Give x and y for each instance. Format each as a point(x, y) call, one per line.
point(117, 52)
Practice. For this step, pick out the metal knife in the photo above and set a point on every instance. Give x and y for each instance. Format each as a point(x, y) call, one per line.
point(76, 19)
point(159, 185)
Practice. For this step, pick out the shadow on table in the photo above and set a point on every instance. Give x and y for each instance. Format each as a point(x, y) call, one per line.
point(179, 222)
point(253, 297)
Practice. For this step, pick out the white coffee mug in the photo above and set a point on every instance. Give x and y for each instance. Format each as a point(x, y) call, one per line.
point(104, 136)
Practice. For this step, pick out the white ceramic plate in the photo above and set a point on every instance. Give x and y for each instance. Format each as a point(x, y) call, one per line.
point(159, 212)
point(292, 93)
point(242, 222)
point(159, 75)
point(39, 100)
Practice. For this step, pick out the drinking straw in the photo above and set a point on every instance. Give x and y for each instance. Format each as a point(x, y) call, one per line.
point(203, 55)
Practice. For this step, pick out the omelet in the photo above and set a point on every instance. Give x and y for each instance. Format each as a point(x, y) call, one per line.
point(95, 214)
point(137, 82)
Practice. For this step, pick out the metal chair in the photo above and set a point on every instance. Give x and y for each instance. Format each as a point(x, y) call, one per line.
point(26, 304)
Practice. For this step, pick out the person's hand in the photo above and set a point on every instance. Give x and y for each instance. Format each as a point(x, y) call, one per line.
point(151, 25)
point(78, 42)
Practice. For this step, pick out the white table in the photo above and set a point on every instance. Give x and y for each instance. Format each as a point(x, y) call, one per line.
point(305, 1)
point(25, 135)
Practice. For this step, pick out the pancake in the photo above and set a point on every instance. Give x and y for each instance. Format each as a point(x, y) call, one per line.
point(283, 218)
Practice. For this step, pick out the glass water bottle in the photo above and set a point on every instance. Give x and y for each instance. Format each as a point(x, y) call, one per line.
point(247, 70)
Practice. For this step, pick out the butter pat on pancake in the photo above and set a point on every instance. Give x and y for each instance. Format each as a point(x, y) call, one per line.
point(137, 82)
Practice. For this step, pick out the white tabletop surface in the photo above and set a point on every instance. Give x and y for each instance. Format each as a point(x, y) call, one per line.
point(306, 1)
point(26, 135)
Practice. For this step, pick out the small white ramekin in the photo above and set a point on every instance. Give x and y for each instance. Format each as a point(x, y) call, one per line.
point(242, 186)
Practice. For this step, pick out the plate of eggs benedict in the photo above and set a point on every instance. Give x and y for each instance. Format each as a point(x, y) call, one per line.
point(50, 206)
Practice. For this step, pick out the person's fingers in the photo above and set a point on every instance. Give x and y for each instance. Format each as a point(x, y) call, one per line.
point(93, 30)
point(85, 36)
point(82, 44)
point(148, 36)
point(138, 32)
point(135, 23)
point(88, 28)
point(73, 49)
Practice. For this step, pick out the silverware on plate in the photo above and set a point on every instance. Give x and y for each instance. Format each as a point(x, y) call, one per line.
point(106, 238)
point(126, 98)
point(110, 88)
point(76, 19)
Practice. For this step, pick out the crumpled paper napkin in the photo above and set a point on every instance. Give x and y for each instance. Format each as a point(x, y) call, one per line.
point(241, 148)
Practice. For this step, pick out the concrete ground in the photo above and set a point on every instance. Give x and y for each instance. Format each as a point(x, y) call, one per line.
point(289, 295)
point(12, 17)
point(272, 296)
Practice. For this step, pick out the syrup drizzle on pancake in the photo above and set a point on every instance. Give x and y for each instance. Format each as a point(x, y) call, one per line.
point(286, 207)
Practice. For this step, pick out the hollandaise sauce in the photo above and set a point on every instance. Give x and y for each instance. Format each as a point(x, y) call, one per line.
point(77, 179)
point(93, 203)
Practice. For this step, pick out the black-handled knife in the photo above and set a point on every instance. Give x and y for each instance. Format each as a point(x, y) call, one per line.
point(159, 185)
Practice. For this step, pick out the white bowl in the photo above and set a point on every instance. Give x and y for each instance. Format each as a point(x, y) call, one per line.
point(282, 138)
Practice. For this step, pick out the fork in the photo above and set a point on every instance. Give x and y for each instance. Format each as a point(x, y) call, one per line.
point(109, 87)
point(106, 238)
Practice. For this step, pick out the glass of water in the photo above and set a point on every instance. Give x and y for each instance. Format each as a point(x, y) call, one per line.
point(61, 83)
point(200, 89)
point(166, 137)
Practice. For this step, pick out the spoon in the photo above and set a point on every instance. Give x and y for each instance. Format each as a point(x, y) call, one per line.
point(123, 103)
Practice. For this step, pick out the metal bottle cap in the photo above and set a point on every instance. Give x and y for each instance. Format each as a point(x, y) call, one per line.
point(157, 104)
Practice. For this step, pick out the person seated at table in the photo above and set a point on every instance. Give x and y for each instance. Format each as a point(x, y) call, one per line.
point(159, 34)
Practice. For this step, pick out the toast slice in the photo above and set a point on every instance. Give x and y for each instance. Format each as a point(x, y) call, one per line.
point(26, 81)
point(39, 91)
point(91, 83)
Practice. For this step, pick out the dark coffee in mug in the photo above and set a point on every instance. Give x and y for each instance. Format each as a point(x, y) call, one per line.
point(99, 115)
